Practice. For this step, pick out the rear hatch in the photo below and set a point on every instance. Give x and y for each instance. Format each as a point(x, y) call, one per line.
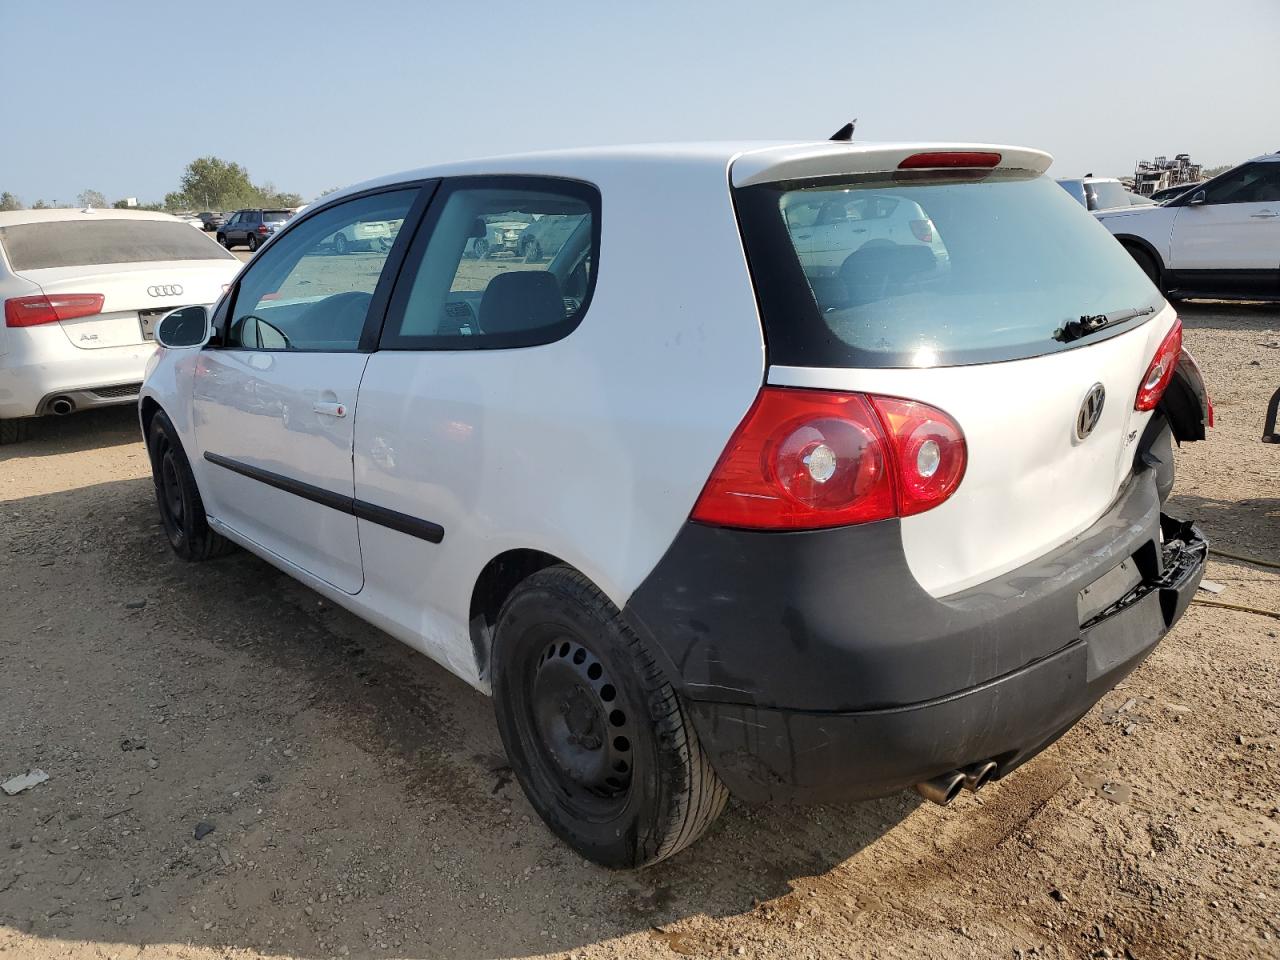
point(976, 330)
point(141, 269)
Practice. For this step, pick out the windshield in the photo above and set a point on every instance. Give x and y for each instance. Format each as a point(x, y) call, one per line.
point(910, 270)
point(77, 243)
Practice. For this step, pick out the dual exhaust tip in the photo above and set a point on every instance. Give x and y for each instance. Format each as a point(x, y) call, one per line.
point(946, 787)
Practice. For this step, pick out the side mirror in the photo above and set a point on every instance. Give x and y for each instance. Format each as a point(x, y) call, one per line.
point(183, 328)
point(1197, 199)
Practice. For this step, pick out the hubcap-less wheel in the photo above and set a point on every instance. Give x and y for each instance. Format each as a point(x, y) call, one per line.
point(171, 487)
point(584, 734)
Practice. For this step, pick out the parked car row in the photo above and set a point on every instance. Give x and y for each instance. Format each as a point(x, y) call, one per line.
point(82, 291)
point(877, 505)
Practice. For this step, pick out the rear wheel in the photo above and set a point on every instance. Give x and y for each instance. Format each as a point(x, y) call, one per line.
point(532, 252)
point(597, 737)
point(181, 509)
point(482, 249)
point(340, 244)
point(253, 242)
point(13, 431)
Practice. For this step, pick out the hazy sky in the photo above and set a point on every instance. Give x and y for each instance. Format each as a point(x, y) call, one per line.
point(309, 95)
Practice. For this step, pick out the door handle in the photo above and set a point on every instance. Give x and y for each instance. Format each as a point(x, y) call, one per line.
point(1263, 215)
point(330, 408)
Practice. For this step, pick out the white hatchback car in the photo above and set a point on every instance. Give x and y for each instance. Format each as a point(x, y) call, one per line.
point(82, 291)
point(700, 521)
point(1219, 240)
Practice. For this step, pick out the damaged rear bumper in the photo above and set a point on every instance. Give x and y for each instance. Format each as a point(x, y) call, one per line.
point(832, 675)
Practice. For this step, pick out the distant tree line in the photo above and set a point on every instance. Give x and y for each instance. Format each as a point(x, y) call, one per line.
point(207, 183)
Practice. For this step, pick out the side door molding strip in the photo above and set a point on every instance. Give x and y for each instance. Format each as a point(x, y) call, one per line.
point(360, 509)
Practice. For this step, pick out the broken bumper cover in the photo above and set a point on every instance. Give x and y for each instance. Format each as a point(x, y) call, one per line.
point(815, 668)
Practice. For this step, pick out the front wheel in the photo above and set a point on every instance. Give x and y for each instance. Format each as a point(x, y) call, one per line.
point(1147, 263)
point(181, 509)
point(598, 738)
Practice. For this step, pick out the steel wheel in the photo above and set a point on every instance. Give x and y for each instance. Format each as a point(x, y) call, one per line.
point(584, 736)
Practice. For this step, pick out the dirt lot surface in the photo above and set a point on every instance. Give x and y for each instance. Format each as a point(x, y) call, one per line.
point(360, 805)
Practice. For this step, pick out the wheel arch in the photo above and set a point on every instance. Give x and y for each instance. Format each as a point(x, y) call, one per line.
point(1129, 240)
point(496, 582)
point(148, 407)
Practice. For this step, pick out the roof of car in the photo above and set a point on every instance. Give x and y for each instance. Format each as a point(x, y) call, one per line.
point(11, 217)
point(1266, 158)
point(751, 161)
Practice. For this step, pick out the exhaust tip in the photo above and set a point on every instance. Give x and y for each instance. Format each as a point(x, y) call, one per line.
point(941, 789)
point(976, 775)
point(62, 406)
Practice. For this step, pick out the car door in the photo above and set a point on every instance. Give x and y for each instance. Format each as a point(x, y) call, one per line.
point(275, 400)
point(1229, 238)
point(456, 408)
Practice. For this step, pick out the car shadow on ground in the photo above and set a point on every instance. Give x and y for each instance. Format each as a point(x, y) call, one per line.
point(1224, 315)
point(357, 792)
point(90, 430)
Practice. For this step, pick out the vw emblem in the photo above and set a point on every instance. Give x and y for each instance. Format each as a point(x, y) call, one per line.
point(165, 290)
point(1090, 411)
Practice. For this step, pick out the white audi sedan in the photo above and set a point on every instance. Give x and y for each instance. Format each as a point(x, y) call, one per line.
point(82, 290)
point(701, 519)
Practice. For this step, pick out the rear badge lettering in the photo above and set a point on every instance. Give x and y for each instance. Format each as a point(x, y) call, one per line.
point(1090, 411)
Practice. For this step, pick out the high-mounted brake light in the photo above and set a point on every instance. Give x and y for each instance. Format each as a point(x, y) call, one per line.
point(1160, 370)
point(950, 158)
point(804, 459)
point(33, 311)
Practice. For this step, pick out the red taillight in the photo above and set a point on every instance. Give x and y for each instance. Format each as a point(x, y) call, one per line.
point(950, 158)
point(33, 311)
point(803, 459)
point(262, 229)
point(923, 229)
point(1160, 370)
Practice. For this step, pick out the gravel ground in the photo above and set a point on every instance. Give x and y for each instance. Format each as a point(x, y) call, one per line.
point(238, 769)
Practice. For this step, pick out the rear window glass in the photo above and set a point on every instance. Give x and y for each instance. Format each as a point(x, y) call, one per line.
point(913, 270)
point(78, 243)
point(1104, 195)
point(276, 214)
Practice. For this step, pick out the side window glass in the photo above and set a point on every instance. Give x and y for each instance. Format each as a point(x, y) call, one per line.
point(508, 262)
point(1249, 184)
point(311, 289)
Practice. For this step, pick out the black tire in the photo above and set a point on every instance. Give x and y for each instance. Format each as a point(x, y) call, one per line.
point(181, 509)
point(532, 252)
point(481, 249)
point(1147, 263)
point(221, 238)
point(14, 431)
point(253, 242)
point(599, 740)
point(340, 244)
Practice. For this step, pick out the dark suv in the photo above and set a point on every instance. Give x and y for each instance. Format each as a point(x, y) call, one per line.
point(251, 228)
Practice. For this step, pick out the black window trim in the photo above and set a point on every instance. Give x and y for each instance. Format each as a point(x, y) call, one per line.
point(386, 281)
point(579, 189)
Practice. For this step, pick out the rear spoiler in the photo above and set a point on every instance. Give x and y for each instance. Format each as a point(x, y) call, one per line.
point(805, 161)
